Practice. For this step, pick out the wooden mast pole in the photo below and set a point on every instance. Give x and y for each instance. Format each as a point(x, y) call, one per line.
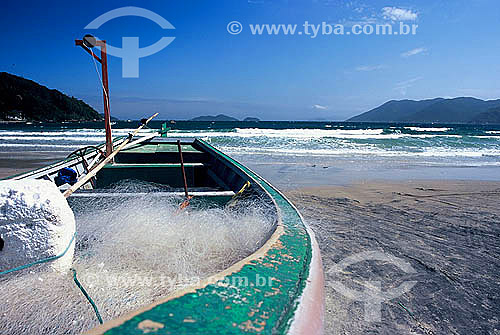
point(87, 43)
point(179, 146)
point(185, 203)
point(105, 84)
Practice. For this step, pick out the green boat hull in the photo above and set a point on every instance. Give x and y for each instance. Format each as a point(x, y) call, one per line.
point(276, 290)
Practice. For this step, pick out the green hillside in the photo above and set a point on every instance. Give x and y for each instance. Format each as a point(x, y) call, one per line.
point(24, 99)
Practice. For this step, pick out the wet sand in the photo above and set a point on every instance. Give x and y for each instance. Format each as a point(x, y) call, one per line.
point(12, 163)
point(448, 232)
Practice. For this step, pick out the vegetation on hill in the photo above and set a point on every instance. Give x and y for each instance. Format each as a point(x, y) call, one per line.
point(492, 116)
point(457, 110)
point(23, 99)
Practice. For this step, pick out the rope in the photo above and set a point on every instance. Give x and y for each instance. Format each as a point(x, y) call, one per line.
point(406, 309)
point(100, 79)
point(53, 258)
point(235, 198)
point(89, 299)
point(247, 184)
point(45, 260)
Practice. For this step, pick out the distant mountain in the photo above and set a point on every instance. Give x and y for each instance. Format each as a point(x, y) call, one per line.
point(23, 99)
point(492, 116)
point(251, 119)
point(458, 110)
point(394, 110)
point(220, 117)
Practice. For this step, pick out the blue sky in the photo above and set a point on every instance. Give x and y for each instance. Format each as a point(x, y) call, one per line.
point(206, 70)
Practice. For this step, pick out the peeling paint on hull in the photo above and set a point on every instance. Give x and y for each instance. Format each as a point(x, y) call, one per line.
point(289, 301)
point(218, 308)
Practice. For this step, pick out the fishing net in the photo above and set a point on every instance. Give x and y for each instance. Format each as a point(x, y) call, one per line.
point(130, 251)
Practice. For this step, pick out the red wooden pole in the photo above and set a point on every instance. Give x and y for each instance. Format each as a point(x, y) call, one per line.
point(105, 89)
point(182, 169)
point(107, 116)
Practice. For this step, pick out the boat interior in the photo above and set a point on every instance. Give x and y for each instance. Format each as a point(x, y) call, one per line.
point(212, 179)
point(155, 160)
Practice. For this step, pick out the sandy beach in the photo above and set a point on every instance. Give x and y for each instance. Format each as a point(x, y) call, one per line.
point(15, 162)
point(447, 231)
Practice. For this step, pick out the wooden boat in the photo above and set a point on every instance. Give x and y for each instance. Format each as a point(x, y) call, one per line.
point(292, 303)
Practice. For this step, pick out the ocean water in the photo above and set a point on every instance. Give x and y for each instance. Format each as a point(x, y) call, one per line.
point(291, 150)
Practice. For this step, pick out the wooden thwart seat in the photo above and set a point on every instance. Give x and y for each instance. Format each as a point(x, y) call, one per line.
point(152, 194)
